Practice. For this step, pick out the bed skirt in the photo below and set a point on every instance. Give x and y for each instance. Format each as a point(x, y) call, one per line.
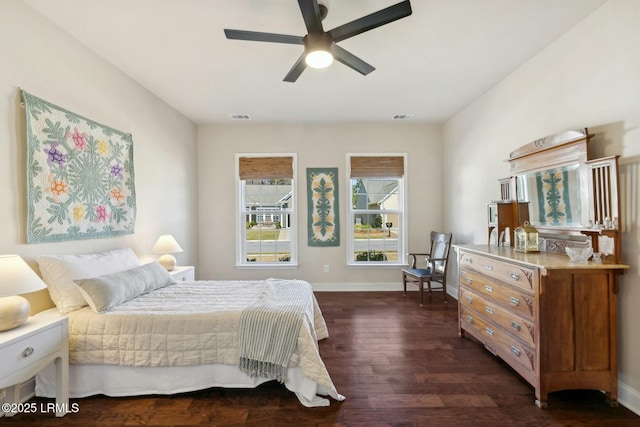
point(115, 380)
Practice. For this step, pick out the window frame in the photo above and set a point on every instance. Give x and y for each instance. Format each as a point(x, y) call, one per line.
point(241, 212)
point(401, 214)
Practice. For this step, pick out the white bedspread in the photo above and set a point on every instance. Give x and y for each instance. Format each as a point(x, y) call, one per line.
point(187, 324)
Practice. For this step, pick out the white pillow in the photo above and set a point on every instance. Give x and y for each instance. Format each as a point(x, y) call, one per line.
point(60, 271)
point(105, 292)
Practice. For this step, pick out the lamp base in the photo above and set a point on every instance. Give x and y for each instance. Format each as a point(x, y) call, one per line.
point(168, 261)
point(14, 311)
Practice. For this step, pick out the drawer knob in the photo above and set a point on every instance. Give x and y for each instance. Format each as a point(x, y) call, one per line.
point(515, 276)
point(469, 300)
point(468, 260)
point(515, 351)
point(514, 301)
point(488, 289)
point(489, 331)
point(468, 280)
point(469, 319)
point(515, 326)
point(27, 352)
point(488, 310)
point(488, 267)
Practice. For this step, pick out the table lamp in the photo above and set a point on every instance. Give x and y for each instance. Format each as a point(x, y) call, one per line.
point(166, 245)
point(16, 277)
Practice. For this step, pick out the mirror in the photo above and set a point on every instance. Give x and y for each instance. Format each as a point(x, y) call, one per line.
point(553, 196)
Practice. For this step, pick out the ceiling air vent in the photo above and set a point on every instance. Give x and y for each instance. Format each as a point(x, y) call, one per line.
point(239, 117)
point(402, 116)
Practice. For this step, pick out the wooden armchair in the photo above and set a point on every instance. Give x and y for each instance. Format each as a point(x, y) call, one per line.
point(435, 268)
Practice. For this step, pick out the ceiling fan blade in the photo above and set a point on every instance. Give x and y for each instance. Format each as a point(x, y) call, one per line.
point(350, 60)
point(296, 70)
point(311, 15)
point(369, 22)
point(263, 37)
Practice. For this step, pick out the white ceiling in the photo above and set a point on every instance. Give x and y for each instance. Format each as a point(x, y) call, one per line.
point(430, 64)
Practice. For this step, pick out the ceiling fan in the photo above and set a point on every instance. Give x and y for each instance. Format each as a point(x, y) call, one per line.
point(320, 46)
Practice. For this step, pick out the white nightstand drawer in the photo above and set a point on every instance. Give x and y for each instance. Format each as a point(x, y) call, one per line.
point(186, 273)
point(24, 352)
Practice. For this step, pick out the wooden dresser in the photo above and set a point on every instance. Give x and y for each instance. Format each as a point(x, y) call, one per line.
point(553, 321)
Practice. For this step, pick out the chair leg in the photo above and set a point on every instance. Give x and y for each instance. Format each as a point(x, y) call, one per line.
point(404, 284)
point(444, 291)
point(421, 286)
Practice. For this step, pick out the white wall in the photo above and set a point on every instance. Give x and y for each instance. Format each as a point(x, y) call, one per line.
point(45, 61)
point(316, 146)
point(590, 77)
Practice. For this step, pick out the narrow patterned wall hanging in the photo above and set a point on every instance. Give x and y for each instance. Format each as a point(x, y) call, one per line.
point(323, 209)
point(80, 180)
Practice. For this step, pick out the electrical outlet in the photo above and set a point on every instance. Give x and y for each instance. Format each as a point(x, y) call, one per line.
point(326, 268)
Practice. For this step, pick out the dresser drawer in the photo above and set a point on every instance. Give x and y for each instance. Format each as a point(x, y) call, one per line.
point(510, 349)
point(513, 274)
point(514, 299)
point(523, 329)
point(22, 353)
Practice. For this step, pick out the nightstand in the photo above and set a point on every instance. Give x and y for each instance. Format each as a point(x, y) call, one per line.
point(29, 348)
point(184, 273)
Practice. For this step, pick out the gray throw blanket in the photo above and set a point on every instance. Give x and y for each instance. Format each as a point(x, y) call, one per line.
point(269, 329)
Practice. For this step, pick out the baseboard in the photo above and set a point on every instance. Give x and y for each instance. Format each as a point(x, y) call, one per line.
point(356, 287)
point(629, 397)
point(367, 287)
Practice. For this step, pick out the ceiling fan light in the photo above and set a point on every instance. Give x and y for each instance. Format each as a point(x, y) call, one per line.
point(319, 59)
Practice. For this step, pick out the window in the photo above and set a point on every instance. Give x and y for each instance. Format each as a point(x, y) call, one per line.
point(376, 209)
point(266, 215)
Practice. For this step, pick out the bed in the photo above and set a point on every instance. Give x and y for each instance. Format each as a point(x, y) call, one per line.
point(135, 331)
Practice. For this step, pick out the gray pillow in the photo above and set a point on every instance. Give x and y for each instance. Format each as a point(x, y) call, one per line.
point(105, 292)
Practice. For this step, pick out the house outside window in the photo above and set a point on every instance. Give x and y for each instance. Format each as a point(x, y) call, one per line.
point(376, 212)
point(266, 210)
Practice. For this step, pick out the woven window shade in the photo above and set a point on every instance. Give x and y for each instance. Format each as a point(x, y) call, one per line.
point(374, 167)
point(266, 167)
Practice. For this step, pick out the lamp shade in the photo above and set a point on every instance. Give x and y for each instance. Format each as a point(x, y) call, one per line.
point(166, 244)
point(16, 277)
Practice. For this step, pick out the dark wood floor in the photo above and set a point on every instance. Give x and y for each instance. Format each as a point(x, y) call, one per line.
point(396, 363)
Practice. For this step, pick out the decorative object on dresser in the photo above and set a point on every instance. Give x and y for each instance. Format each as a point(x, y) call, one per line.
point(80, 182)
point(526, 238)
point(27, 350)
point(16, 277)
point(551, 318)
point(167, 245)
point(435, 268)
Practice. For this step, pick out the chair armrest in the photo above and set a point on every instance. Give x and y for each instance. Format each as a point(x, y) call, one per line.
point(413, 256)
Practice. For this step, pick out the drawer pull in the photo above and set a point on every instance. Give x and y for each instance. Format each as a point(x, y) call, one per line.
point(514, 301)
point(489, 331)
point(488, 267)
point(515, 276)
point(468, 260)
point(468, 280)
point(27, 352)
point(515, 326)
point(488, 288)
point(515, 351)
point(488, 310)
point(469, 319)
point(469, 300)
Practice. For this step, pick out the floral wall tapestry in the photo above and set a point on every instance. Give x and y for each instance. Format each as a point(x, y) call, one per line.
point(322, 201)
point(80, 181)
